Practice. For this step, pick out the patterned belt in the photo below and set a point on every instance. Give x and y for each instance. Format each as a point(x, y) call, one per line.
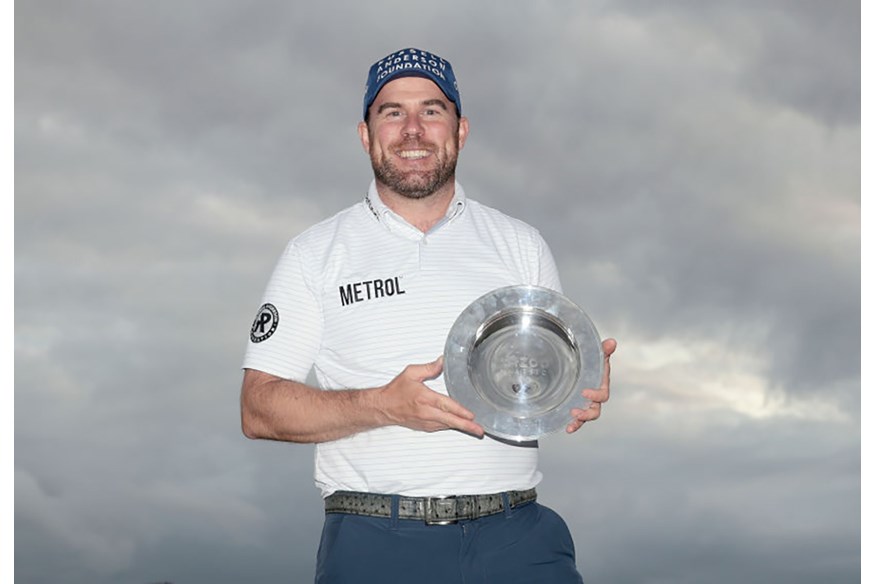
point(432, 510)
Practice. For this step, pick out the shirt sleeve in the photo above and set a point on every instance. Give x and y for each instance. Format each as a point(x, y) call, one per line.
point(287, 330)
point(548, 274)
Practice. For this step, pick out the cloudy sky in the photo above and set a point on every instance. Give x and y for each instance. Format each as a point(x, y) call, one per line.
point(695, 167)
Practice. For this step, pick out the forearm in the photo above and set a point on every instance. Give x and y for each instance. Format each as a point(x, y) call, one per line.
point(280, 409)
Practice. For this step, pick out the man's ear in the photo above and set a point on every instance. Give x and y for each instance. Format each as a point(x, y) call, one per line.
point(364, 137)
point(462, 132)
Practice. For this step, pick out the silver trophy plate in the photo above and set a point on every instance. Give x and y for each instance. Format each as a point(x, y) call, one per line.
point(518, 358)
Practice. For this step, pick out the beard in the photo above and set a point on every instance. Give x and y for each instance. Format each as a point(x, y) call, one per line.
point(415, 184)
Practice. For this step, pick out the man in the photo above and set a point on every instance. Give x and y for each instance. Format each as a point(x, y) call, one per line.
point(415, 491)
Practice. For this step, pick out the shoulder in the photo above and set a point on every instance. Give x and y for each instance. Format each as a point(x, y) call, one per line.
point(322, 234)
point(489, 216)
point(308, 252)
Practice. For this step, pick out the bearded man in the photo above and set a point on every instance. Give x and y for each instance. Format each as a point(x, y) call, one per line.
point(414, 489)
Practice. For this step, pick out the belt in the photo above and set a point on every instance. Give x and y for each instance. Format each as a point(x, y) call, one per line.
point(432, 510)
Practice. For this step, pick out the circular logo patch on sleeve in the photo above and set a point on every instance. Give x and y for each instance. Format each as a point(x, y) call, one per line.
point(265, 323)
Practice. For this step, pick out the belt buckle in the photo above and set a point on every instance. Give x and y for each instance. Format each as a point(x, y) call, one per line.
point(433, 507)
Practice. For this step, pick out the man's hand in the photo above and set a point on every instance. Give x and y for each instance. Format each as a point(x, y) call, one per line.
point(597, 397)
point(407, 401)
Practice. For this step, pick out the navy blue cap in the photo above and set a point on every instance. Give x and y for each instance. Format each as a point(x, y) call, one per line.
point(411, 63)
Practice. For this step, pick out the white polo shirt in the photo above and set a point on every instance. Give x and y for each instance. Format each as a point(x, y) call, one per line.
point(360, 296)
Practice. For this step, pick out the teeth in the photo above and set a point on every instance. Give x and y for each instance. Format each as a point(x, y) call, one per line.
point(411, 154)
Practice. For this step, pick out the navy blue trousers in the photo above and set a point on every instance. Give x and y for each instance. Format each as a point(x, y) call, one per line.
point(526, 545)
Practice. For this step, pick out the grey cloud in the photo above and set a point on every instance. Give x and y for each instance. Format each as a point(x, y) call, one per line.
point(805, 55)
point(676, 506)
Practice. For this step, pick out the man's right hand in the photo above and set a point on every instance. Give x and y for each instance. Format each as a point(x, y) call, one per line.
point(407, 401)
point(273, 408)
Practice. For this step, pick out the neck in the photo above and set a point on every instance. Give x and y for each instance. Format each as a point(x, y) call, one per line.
point(421, 213)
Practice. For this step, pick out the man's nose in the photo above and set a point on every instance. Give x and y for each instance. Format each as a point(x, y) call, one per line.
point(412, 127)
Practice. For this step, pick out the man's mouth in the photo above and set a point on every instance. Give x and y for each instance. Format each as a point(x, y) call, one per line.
point(413, 154)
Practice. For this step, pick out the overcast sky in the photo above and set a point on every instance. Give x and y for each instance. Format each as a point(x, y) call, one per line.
point(695, 167)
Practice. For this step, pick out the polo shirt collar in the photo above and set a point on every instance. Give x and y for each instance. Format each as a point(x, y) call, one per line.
point(396, 223)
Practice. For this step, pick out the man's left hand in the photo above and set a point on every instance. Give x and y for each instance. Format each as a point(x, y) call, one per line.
point(597, 397)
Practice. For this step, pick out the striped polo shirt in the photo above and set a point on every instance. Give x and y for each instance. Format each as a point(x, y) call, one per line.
point(360, 296)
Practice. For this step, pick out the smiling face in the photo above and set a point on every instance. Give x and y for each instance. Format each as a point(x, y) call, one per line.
point(413, 137)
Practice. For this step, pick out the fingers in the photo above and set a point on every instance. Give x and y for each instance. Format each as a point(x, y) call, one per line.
point(452, 407)
point(596, 396)
point(609, 346)
point(425, 371)
point(411, 403)
point(450, 422)
point(579, 416)
point(602, 394)
point(451, 414)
